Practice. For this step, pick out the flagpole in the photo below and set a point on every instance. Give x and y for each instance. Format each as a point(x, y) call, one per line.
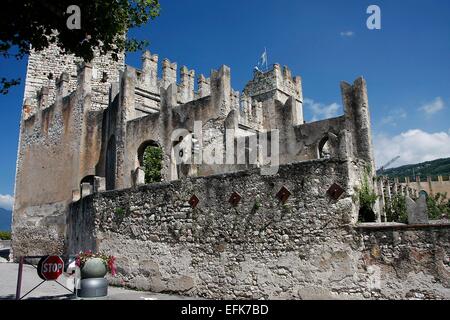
point(265, 52)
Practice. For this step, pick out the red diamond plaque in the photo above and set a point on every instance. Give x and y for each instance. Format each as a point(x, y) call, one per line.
point(193, 201)
point(335, 191)
point(284, 194)
point(235, 199)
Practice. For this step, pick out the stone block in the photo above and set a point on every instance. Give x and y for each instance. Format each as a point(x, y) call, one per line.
point(99, 184)
point(76, 195)
point(417, 210)
point(140, 176)
point(86, 189)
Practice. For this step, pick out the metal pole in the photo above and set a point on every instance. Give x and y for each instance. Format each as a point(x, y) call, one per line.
point(265, 52)
point(19, 278)
point(32, 289)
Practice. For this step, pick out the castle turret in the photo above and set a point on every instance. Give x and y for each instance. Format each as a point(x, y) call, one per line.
point(276, 84)
point(357, 118)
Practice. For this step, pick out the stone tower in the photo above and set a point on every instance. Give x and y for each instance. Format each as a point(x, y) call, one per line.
point(58, 142)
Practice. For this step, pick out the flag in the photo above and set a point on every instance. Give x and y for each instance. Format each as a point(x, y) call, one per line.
point(263, 60)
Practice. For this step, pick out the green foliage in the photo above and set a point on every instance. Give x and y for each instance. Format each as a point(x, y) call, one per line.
point(396, 209)
point(152, 164)
point(439, 167)
point(367, 197)
point(6, 84)
point(257, 204)
point(286, 208)
point(438, 206)
point(120, 212)
point(5, 235)
point(104, 24)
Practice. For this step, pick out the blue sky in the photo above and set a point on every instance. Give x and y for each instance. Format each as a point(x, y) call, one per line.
point(406, 63)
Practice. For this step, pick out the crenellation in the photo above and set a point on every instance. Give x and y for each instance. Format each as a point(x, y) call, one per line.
point(235, 100)
point(42, 98)
point(27, 109)
point(150, 71)
point(287, 74)
point(191, 84)
point(221, 91)
point(204, 86)
point(276, 84)
point(62, 85)
point(257, 114)
point(169, 73)
point(186, 87)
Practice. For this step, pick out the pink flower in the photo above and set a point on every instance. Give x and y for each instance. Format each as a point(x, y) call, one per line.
point(109, 261)
point(112, 265)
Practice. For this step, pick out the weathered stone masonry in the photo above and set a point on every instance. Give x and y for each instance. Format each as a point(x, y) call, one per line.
point(307, 247)
point(83, 132)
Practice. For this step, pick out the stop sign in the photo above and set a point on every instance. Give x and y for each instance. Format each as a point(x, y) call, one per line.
point(50, 268)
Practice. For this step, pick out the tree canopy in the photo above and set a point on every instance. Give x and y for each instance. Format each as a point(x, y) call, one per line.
point(153, 164)
point(30, 24)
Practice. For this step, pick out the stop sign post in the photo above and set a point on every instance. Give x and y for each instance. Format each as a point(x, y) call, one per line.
point(50, 268)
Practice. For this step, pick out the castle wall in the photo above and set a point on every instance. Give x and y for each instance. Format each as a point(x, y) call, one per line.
point(57, 149)
point(99, 130)
point(307, 247)
point(162, 126)
point(431, 187)
point(357, 116)
point(220, 111)
point(44, 67)
point(60, 143)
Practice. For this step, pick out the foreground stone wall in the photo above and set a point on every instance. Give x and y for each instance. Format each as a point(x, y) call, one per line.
point(405, 261)
point(217, 250)
point(305, 248)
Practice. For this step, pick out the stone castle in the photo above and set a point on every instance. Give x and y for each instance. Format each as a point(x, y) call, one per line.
point(279, 220)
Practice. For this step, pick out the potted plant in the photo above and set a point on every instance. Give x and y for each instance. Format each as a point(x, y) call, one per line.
point(93, 268)
point(95, 265)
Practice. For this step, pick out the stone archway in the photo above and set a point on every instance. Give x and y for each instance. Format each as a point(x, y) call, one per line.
point(150, 158)
point(324, 148)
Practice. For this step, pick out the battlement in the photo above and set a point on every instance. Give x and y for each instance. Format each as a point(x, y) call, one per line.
point(273, 82)
point(250, 112)
point(49, 103)
point(46, 67)
point(149, 83)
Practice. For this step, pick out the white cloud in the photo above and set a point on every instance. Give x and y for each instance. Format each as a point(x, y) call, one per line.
point(434, 106)
point(6, 201)
point(321, 111)
point(393, 117)
point(347, 34)
point(413, 146)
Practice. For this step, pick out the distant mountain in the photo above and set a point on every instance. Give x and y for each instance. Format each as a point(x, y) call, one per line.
point(440, 167)
point(5, 220)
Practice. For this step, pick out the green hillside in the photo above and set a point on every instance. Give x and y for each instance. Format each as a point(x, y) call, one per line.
point(440, 167)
